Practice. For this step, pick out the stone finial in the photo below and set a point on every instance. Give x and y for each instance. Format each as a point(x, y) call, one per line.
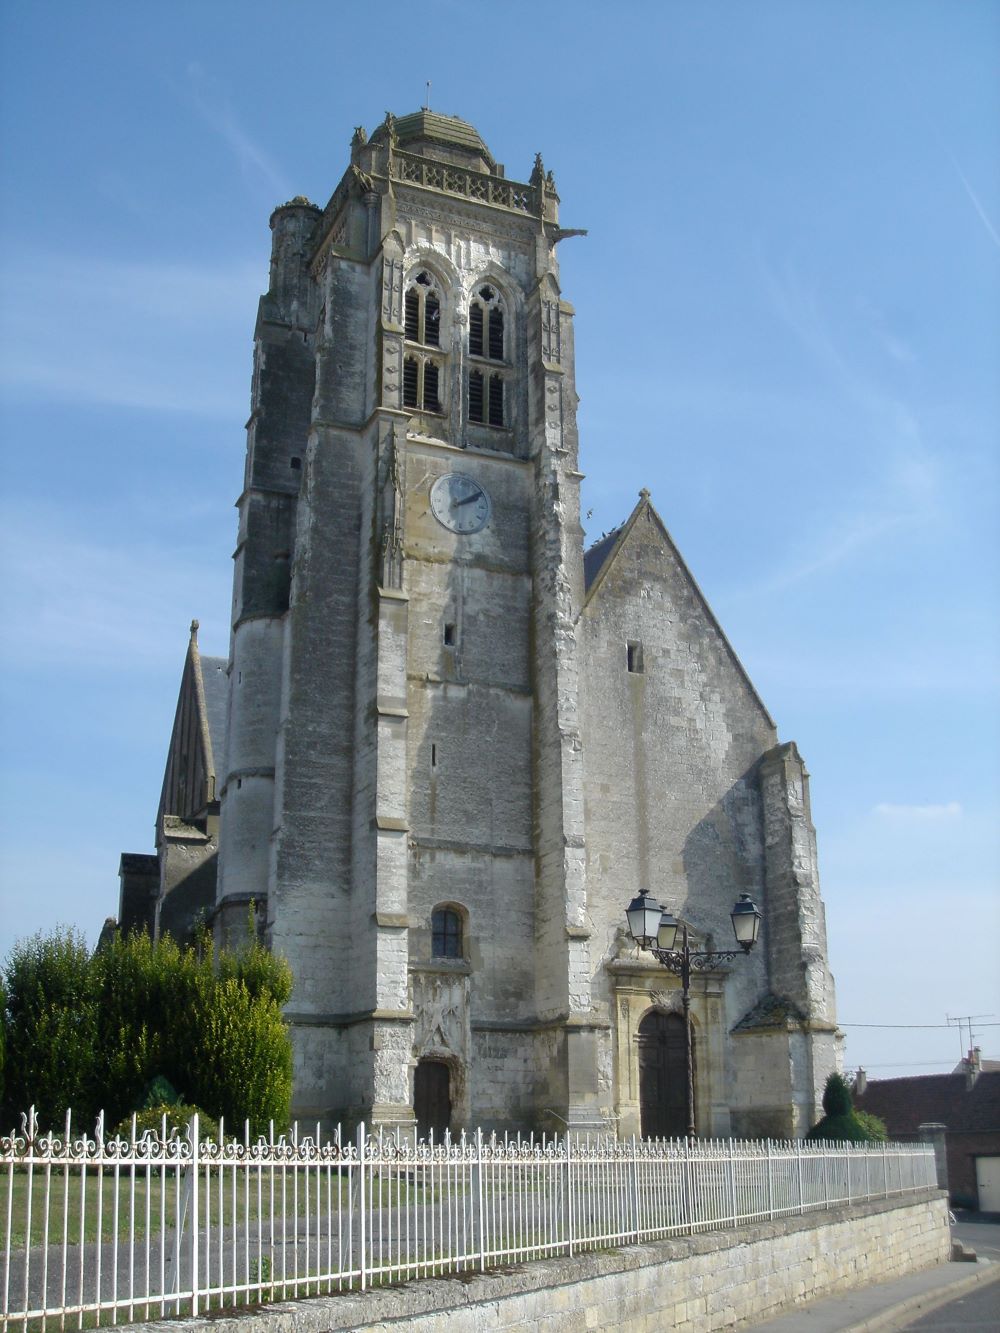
point(644, 493)
point(195, 626)
point(360, 137)
point(537, 171)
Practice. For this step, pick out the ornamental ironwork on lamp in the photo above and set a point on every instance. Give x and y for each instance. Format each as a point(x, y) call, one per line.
point(655, 929)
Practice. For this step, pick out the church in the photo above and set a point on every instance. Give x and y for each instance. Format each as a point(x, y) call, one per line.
point(449, 744)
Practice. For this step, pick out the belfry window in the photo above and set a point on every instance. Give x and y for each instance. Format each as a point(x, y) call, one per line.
point(486, 398)
point(487, 387)
point(421, 383)
point(422, 311)
point(446, 933)
point(422, 373)
point(486, 327)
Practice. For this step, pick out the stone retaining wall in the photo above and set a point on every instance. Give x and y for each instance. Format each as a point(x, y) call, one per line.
point(715, 1280)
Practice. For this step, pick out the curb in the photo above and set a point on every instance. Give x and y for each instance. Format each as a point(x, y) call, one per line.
point(897, 1315)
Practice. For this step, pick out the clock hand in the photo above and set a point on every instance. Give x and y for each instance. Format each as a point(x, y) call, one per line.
point(466, 501)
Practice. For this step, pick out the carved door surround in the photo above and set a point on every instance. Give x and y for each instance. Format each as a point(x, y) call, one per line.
point(638, 989)
point(442, 1033)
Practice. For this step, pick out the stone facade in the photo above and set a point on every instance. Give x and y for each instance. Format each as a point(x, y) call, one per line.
point(444, 717)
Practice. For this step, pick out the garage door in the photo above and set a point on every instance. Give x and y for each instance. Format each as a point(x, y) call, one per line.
point(988, 1184)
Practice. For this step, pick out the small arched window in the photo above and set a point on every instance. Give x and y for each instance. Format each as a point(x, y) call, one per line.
point(446, 933)
point(422, 370)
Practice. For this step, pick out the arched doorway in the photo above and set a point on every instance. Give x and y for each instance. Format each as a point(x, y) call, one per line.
point(662, 1076)
point(432, 1097)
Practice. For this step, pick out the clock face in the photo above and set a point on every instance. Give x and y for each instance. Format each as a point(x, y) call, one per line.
point(460, 503)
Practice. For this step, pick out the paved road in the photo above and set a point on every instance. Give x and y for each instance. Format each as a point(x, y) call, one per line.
point(979, 1309)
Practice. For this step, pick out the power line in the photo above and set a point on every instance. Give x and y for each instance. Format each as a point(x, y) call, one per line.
point(907, 1064)
point(922, 1026)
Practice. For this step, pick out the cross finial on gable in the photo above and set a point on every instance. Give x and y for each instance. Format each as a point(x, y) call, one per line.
point(644, 493)
point(194, 631)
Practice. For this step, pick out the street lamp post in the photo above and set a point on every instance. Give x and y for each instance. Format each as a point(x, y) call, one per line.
point(655, 930)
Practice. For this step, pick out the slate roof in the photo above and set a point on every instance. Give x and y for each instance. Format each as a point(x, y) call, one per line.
point(216, 684)
point(906, 1103)
point(423, 124)
point(595, 557)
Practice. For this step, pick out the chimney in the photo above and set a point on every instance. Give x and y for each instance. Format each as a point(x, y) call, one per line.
point(973, 1067)
point(860, 1083)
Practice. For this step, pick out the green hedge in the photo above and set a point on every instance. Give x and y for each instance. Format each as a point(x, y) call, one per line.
point(841, 1123)
point(92, 1031)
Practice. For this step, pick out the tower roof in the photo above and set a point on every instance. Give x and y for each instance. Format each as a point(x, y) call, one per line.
point(432, 128)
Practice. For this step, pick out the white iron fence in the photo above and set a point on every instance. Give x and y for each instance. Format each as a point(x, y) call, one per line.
point(106, 1229)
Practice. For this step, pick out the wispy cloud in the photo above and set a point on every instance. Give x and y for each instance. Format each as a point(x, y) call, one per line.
point(79, 602)
point(161, 336)
point(974, 199)
point(214, 108)
point(898, 485)
point(920, 813)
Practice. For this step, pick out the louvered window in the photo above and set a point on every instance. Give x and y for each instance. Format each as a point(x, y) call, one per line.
point(432, 321)
point(496, 334)
point(412, 312)
point(422, 311)
point(486, 325)
point(431, 400)
point(475, 329)
point(423, 374)
point(496, 400)
point(411, 382)
point(475, 395)
point(488, 390)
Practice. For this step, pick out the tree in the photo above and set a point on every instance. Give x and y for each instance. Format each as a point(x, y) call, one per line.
point(50, 1024)
point(840, 1122)
point(94, 1031)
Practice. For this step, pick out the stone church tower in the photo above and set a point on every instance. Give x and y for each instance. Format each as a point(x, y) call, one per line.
point(456, 745)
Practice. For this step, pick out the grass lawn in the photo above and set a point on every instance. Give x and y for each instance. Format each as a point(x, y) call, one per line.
point(159, 1197)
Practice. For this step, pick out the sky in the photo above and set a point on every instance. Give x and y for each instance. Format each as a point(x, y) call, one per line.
point(787, 328)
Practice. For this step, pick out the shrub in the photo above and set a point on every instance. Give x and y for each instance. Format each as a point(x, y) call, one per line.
point(841, 1122)
point(243, 1068)
point(94, 1032)
point(874, 1124)
point(178, 1119)
point(51, 1022)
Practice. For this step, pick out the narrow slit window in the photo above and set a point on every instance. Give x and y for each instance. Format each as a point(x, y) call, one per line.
point(432, 321)
point(633, 653)
point(449, 636)
point(295, 463)
point(431, 400)
point(434, 756)
point(496, 334)
point(412, 316)
point(476, 329)
point(496, 400)
point(411, 382)
point(475, 396)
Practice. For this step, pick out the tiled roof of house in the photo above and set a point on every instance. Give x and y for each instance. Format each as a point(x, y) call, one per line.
point(907, 1103)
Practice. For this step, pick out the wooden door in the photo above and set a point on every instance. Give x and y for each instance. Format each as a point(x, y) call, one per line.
point(432, 1097)
point(662, 1076)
